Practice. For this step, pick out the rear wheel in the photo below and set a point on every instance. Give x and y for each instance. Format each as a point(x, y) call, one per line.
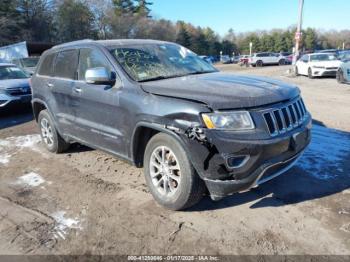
point(282, 62)
point(309, 73)
point(340, 76)
point(49, 135)
point(259, 63)
point(169, 174)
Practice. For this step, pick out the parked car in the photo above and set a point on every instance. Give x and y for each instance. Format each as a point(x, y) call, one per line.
point(159, 106)
point(235, 59)
point(261, 59)
point(244, 60)
point(225, 59)
point(317, 64)
point(14, 86)
point(334, 52)
point(28, 64)
point(343, 73)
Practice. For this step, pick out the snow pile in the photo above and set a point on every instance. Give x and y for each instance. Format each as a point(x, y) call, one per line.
point(63, 224)
point(31, 179)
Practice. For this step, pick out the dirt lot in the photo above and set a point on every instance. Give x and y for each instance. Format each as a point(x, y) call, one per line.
point(87, 202)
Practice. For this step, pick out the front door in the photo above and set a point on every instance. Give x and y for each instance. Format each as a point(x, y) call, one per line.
point(99, 116)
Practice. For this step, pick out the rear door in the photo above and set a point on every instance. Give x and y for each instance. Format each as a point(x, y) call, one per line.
point(61, 85)
point(99, 115)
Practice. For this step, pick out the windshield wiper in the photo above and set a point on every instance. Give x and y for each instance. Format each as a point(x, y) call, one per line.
point(160, 78)
point(200, 72)
point(174, 76)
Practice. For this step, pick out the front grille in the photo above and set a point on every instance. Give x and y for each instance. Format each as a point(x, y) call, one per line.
point(331, 68)
point(18, 91)
point(285, 118)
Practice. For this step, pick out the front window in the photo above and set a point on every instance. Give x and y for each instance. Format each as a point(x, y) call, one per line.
point(11, 72)
point(322, 57)
point(30, 62)
point(148, 62)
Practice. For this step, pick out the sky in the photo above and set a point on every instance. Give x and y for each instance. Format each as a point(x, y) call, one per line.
point(250, 15)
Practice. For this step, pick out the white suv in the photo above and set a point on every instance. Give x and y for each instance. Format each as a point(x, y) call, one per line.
point(261, 59)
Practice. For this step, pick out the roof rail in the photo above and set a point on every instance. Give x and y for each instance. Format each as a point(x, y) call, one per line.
point(73, 42)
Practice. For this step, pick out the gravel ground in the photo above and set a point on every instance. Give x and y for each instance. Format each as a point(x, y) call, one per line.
point(87, 202)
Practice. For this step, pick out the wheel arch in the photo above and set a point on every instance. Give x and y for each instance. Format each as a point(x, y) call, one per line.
point(142, 133)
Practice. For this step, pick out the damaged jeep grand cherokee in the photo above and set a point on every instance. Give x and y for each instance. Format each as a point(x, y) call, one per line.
point(161, 107)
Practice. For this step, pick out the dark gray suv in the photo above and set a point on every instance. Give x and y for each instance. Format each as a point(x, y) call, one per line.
point(159, 106)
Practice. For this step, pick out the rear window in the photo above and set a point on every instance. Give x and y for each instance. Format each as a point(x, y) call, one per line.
point(46, 67)
point(66, 64)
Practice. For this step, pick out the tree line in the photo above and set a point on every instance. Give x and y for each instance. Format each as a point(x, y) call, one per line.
point(57, 21)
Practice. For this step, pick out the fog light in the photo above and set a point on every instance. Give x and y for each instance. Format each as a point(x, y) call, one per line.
point(237, 161)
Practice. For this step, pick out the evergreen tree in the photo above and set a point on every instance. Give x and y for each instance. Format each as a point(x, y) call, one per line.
point(123, 7)
point(142, 8)
point(183, 37)
point(75, 21)
point(10, 26)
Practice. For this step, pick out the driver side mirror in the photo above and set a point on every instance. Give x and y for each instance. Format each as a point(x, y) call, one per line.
point(99, 76)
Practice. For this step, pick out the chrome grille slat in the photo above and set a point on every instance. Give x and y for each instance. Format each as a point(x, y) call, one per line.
point(285, 118)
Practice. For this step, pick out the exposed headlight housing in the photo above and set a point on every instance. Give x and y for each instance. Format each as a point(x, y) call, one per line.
point(237, 121)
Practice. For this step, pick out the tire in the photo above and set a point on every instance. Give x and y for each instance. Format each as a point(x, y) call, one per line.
point(49, 135)
point(188, 188)
point(309, 73)
point(340, 77)
point(282, 62)
point(259, 63)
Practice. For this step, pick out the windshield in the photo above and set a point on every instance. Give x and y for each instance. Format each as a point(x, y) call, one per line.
point(159, 61)
point(322, 57)
point(11, 72)
point(30, 62)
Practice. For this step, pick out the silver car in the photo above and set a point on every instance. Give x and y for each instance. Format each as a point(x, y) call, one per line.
point(343, 74)
point(14, 86)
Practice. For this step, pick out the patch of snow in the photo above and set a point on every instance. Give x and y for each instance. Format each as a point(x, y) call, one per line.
point(4, 158)
point(28, 141)
point(325, 156)
point(63, 224)
point(31, 179)
point(18, 143)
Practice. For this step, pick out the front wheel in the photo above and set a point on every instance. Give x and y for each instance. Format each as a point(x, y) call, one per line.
point(170, 175)
point(340, 76)
point(259, 63)
point(309, 73)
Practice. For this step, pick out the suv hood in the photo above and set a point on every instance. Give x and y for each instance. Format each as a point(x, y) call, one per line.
point(224, 91)
point(11, 83)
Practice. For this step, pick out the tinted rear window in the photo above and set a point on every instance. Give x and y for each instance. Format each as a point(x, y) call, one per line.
point(46, 67)
point(66, 64)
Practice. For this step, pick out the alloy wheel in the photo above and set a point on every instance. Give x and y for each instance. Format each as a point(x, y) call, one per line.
point(165, 171)
point(46, 132)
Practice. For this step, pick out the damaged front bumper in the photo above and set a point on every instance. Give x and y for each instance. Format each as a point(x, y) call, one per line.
point(258, 161)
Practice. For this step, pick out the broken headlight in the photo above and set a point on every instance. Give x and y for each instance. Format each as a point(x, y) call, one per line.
point(239, 120)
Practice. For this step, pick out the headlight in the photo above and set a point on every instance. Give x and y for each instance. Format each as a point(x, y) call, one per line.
point(320, 67)
point(239, 120)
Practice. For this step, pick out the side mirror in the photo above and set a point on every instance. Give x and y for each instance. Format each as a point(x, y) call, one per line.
point(98, 76)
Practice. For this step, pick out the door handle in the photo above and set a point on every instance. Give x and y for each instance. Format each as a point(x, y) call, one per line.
point(77, 90)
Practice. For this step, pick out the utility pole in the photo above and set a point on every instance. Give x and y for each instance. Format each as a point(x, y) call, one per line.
point(298, 34)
